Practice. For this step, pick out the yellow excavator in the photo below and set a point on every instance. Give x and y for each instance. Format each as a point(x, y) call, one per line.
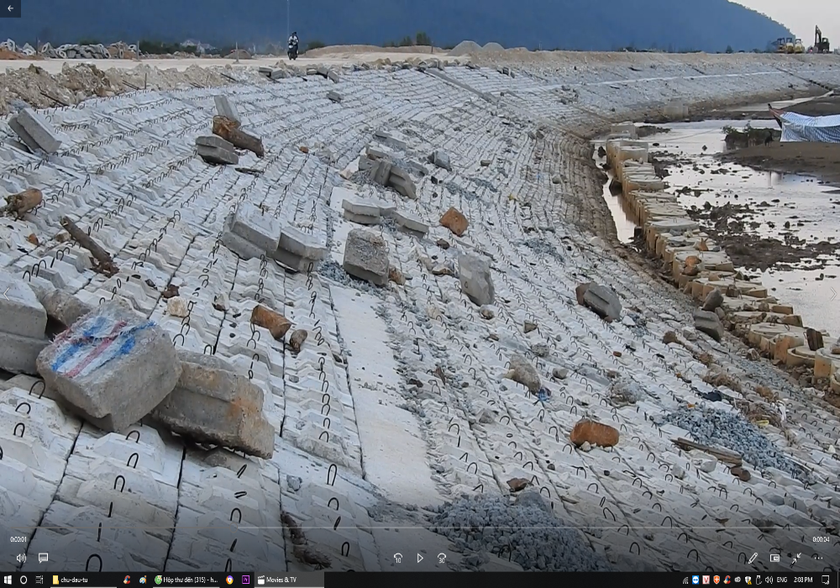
point(821, 44)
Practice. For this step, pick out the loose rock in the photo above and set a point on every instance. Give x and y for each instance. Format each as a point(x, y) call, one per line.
point(277, 324)
point(713, 300)
point(524, 373)
point(594, 433)
point(454, 221)
point(297, 339)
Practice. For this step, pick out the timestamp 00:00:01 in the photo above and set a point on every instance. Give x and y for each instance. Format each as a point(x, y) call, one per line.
point(18, 539)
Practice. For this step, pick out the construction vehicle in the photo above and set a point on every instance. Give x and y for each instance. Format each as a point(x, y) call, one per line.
point(787, 45)
point(821, 44)
point(798, 47)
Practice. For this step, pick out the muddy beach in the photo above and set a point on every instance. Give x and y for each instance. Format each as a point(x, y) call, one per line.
point(776, 227)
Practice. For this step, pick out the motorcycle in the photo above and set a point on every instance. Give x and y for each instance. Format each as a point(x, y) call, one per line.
point(293, 51)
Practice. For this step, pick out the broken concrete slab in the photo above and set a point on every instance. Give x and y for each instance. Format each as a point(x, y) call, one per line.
point(278, 74)
point(60, 306)
point(441, 159)
point(212, 404)
point(360, 207)
point(476, 279)
point(217, 155)
point(21, 313)
point(37, 133)
point(260, 229)
point(401, 181)
point(299, 243)
point(19, 354)
point(709, 323)
point(366, 257)
point(361, 219)
point(410, 222)
point(239, 245)
point(111, 363)
point(603, 301)
point(214, 141)
point(333, 96)
point(225, 108)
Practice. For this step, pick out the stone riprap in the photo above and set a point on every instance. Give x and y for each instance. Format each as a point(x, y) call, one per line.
point(399, 392)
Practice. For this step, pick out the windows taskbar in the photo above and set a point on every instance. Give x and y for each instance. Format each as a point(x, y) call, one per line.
point(409, 579)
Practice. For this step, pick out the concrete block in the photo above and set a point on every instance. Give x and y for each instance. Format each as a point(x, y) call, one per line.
point(38, 130)
point(441, 159)
point(21, 313)
point(366, 257)
point(241, 247)
point(226, 109)
point(23, 135)
point(292, 261)
point(279, 74)
point(333, 76)
point(361, 207)
point(361, 219)
point(603, 301)
point(256, 227)
point(476, 279)
point(213, 404)
point(217, 155)
point(410, 222)
point(19, 354)
point(333, 96)
point(111, 363)
point(380, 171)
point(214, 141)
point(299, 243)
point(401, 181)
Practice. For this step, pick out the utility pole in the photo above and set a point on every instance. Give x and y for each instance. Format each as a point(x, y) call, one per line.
point(287, 20)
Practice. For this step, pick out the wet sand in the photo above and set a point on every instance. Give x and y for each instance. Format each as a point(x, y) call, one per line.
point(821, 160)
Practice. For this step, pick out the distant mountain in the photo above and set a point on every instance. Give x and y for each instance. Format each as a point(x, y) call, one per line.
point(708, 25)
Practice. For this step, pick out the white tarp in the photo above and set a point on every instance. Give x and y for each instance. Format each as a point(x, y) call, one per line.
point(817, 129)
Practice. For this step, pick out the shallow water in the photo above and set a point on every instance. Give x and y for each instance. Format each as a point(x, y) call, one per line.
point(812, 209)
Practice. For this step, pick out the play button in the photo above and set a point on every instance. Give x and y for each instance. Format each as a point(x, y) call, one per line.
point(419, 558)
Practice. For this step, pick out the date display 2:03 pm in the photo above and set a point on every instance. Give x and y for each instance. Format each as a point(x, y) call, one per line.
point(10, 8)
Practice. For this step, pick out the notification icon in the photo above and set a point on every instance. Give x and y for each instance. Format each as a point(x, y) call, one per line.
point(127, 580)
point(229, 580)
point(716, 579)
point(726, 580)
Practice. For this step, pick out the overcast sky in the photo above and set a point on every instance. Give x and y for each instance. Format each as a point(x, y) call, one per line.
point(800, 16)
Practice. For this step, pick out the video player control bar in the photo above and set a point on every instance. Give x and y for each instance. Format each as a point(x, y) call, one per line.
point(10, 9)
point(824, 579)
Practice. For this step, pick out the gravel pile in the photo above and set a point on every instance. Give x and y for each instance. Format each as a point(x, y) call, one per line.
point(525, 533)
point(542, 247)
point(732, 431)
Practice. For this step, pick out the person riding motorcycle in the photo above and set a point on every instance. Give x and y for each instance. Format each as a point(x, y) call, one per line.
point(293, 46)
